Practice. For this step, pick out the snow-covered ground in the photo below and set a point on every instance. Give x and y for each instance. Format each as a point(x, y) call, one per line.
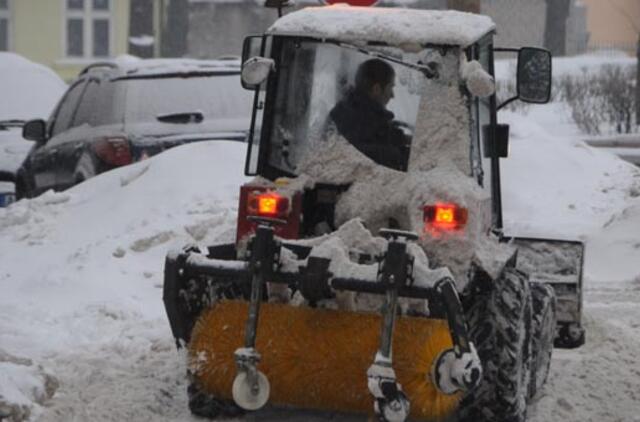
point(81, 276)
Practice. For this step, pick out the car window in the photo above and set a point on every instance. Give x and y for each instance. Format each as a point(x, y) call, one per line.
point(217, 97)
point(97, 106)
point(105, 108)
point(67, 108)
point(86, 107)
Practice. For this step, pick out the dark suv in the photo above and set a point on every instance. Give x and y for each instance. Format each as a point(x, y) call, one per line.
point(114, 114)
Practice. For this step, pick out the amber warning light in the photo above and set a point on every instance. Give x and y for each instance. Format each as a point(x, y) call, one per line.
point(445, 217)
point(268, 204)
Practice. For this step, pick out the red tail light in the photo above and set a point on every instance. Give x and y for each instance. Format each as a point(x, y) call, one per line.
point(268, 204)
point(445, 217)
point(259, 201)
point(114, 151)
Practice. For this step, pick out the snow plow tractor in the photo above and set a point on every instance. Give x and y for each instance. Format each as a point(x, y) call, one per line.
point(370, 272)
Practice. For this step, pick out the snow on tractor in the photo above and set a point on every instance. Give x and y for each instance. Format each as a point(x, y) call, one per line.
point(371, 272)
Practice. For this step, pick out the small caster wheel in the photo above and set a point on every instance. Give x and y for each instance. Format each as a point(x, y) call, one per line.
point(247, 396)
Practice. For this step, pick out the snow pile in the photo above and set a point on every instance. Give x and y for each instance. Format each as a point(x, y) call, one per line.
point(18, 77)
point(557, 186)
point(23, 384)
point(442, 131)
point(82, 274)
point(614, 253)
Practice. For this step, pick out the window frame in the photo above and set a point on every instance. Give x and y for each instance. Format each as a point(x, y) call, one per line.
point(88, 15)
point(7, 15)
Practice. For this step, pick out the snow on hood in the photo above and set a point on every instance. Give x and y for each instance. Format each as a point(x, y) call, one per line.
point(404, 28)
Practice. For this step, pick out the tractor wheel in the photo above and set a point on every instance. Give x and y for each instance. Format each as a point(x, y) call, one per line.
point(207, 406)
point(499, 319)
point(543, 299)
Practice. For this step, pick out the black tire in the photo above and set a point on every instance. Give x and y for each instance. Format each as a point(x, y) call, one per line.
point(207, 406)
point(22, 188)
point(543, 300)
point(499, 318)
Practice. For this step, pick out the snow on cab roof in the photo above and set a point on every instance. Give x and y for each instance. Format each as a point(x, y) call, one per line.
point(393, 26)
point(129, 66)
point(177, 66)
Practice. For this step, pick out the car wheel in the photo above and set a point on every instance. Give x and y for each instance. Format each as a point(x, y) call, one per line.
point(22, 188)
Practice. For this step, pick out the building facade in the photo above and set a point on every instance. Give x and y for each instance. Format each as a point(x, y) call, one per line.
point(613, 24)
point(65, 35)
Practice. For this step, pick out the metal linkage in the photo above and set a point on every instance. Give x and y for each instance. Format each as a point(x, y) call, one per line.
point(391, 404)
point(458, 368)
point(251, 387)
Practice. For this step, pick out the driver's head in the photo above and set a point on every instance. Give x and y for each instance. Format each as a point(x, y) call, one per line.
point(376, 78)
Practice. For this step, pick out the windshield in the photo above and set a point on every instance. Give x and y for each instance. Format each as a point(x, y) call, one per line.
point(369, 98)
point(203, 100)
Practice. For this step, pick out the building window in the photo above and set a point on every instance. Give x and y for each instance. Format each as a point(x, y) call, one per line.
point(5, 20)
point(88, 26)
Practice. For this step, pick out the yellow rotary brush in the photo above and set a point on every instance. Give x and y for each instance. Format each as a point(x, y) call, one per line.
point(318, 358)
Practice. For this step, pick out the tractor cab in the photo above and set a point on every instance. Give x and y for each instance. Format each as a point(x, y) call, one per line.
point(441, 105)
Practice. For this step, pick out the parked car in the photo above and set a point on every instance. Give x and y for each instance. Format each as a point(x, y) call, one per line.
point(29, 90)
point(117, 113)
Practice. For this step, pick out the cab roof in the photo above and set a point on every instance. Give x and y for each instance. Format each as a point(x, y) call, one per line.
point(398, 27)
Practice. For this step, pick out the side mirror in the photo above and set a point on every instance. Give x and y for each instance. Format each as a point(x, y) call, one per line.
point(251, 47)
point(534, 75)
point(255, 71)
point(35, 130)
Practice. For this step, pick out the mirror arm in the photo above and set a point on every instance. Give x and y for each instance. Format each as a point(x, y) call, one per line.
point(510, 100)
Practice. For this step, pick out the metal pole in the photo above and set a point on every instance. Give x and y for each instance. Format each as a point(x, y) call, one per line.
point(638, 82)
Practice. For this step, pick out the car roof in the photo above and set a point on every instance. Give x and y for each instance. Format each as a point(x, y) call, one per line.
point(404, 28)
point(131, 67)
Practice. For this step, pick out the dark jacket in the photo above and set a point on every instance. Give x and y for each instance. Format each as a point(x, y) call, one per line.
point(369, 127)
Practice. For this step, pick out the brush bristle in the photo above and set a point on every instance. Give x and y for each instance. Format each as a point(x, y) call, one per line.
point(318, 358)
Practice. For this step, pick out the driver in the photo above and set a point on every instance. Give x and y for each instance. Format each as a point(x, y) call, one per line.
point(363, 119)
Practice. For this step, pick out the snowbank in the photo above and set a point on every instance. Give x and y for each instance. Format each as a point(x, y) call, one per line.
point(554, 186)
point(29, 91)
point(613, 254)
point(21, 99)
point(82, 269)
